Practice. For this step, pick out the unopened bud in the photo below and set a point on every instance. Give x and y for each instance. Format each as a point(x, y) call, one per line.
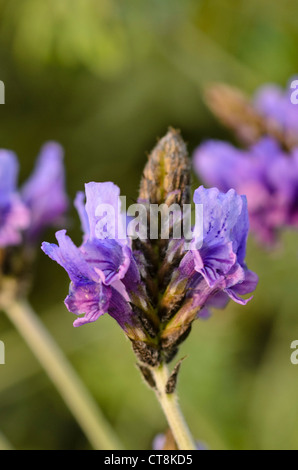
point(234, 110)
point(166, 178)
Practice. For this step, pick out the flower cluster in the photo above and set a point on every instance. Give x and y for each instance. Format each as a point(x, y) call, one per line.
point(269, 112)
point(155, 289)
point(265, 173)
point(26, 212)
point(14, 215)
point(267, 170)
point(279, 114)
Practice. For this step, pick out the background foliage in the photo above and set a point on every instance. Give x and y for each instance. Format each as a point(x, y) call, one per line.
point(106, 78)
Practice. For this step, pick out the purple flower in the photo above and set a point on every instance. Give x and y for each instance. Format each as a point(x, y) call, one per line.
point(265, 173)
point(156, 288)
point(166, 442)
point(215, 272)
point(44, 192)
point(272, 111)
point(14, 216)
point(221, 260)
point(41, 202)
point(102, 270)
point(106, 275)
point(274, 103)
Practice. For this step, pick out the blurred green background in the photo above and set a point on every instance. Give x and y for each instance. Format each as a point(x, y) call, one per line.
point(105, 79)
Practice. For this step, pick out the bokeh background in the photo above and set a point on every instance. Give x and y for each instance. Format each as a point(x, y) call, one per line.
point(105, 78)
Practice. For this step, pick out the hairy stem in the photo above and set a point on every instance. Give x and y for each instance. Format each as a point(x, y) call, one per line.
point(171, 409)
point(62, 374)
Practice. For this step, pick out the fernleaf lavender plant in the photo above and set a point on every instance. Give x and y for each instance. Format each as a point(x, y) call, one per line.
point(156, 288)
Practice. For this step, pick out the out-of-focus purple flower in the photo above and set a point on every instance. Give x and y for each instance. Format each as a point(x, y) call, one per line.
point(41, 202)
point(14, 216)
point(166, 442)
point(274, 103)
point(270, 112)
point(266, 174)
point(102, 270)
point(44, 192)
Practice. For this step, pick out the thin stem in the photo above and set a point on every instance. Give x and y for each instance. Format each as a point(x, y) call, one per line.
point(4, 443)
point(171, 409)
point(62, 374)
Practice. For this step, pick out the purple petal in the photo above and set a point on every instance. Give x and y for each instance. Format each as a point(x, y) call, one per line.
point(220, 164)
point(71, 259)
point(103, 210)
point(275, 105)
point(159, 442)
point(220, 213)
point(13, 221)
point(121, 310)
point(44, 192)
point(204, 313)
point(232, 294)
point(79, 204)
point(219, 301)
point(14, 216)
point(108, 257)
point(8, 176)
point(214, 262)
point(248, 284)
point(240, 233)
point(91, 300)
point(272, 102)
point(132, 277)
point(225, 230)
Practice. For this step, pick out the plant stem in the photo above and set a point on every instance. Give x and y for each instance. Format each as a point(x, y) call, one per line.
point(4, 443)
point(62, 374)
point(171, 409)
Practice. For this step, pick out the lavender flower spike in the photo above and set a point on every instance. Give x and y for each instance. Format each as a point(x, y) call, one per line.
point(14, 216)
point(44, 192)
point(156, 288)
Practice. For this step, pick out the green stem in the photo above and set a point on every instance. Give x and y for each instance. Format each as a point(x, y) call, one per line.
point(4, 443)
point(62, 374)
point(171, 409)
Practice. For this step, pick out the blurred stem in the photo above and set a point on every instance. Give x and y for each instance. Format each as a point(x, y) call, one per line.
point(4, 443)
point(171, 409)
point(62, 374)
